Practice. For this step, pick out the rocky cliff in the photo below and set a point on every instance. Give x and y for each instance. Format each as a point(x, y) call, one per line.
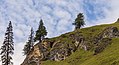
point(94, 39)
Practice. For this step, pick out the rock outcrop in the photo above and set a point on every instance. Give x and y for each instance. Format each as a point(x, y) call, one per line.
point(59, 49)
point(104, 38)
point(34, 57)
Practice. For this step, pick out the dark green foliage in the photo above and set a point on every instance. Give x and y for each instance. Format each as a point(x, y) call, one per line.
point(29, 45)
point(79, 21)
point(41, 32)
point(7, 47)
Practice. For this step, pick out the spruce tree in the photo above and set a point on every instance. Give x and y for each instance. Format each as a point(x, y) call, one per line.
point(79, 21)
point(7, 47)
point(29, 45)
point(41, 32)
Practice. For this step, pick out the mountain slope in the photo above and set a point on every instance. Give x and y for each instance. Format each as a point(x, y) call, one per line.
point(97, 45)
point(110, 56)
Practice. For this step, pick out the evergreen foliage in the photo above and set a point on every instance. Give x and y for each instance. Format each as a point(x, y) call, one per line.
point(79, 21)
point(7, 47)
point(41, 32)
point(29, 45)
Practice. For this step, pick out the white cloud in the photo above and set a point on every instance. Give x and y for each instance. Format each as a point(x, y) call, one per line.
point(18, 55)
point(62, 14)
point(105, 11)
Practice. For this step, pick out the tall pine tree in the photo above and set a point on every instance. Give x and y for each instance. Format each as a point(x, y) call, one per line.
point(29, 45)
point(41, 32)
point(79, 21)
point(7, 47)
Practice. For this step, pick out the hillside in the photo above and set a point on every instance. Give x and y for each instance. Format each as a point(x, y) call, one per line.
point(97, 45)
point(110, 56)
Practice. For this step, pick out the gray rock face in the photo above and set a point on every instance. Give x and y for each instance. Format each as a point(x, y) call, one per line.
point(110, 32)
point(60, 51)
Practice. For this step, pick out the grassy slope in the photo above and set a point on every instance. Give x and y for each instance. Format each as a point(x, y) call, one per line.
point(110, 56)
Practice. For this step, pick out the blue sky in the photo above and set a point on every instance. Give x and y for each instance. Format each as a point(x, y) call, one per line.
point(58, 16)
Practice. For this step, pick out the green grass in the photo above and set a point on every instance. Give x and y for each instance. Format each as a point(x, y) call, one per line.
point(109, 56)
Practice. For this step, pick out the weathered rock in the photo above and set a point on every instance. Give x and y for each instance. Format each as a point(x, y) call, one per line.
point(102, 45)
point(59, 54)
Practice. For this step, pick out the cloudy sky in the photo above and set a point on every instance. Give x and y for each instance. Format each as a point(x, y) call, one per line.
point(58, 16)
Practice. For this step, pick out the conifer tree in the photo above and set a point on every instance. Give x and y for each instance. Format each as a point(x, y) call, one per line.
point(79, 21)
point(29, 45)
point(7, 47)
point(41, 32)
